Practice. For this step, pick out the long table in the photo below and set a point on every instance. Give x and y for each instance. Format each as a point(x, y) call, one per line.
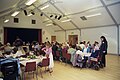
point(23, 61)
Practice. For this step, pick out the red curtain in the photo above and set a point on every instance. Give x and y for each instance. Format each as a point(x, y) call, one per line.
point(40, 35)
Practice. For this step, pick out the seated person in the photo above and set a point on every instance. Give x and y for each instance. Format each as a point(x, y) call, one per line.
point(86, 49)
point(1, 56)
point(8, 54)
point(18, 53)
point(95, 52)
point(7, 48)
point(12, 71)
point(72, 51)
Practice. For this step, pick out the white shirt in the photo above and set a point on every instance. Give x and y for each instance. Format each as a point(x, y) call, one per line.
point(78, 52)
point(82, 46)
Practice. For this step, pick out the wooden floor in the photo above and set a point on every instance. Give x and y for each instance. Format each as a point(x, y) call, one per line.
point(62, 72)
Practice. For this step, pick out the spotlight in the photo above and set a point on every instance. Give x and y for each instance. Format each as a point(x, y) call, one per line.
point(51, 15)
point(41, 14)
point(25, 12)
point(56, 17)
point(59, 17)
point(32, 13)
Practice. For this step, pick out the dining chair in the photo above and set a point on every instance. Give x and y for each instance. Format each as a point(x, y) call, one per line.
point(57, 55)
point(30, 67)
point(64, 52)
point(68, 57)
point(44, 63)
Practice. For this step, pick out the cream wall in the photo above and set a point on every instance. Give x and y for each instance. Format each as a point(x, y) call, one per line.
point(94, 34)
point(119, 39)
point(24, 22)
point(60, 36)
point(73, 32)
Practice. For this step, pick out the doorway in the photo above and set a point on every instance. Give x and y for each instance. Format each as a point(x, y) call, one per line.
point(73, 39)
point(53, 38)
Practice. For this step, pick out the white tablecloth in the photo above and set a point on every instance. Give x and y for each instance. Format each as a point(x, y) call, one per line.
point(23, 61)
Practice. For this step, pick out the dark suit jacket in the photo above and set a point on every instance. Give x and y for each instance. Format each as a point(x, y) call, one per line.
point(103, 47)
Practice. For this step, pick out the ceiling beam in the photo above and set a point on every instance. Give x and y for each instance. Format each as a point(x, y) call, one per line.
point(108, 11)
point(48, 17)
point(92, 9)
point(40, 5)
point(113, 4)
point(63, 14)
point(91, 27)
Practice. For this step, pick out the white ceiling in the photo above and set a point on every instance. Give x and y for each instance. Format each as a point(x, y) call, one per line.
point(72, 9)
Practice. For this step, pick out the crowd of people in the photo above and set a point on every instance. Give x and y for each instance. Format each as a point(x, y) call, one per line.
point(49, 49)
point(83, 47)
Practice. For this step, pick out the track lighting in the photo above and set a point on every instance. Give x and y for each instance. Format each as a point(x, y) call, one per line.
point(32, 13)
point(59, 17)
point(25, 12)
point(56, 17)
point(41, 14)
point(51, 15)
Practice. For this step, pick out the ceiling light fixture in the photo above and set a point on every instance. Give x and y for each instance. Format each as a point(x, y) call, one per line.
point(6, 20)
point(51, 15)
point(29, 2)
point(25, 12)
point(44, 7)
point(32, 13)
point(49, 24)
point(93, 15)
point(29, 15)
point(59, 17)
point(56, 17)
point(41, 14)
point(15, 13)
point(66, 20)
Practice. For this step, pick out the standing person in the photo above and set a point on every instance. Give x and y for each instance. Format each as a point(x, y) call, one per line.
point(54, 49)
point(48, 51)
point(103, 49)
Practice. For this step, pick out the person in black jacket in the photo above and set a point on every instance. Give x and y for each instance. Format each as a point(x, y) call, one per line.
point(103, 50)
point(54, 49)
point(18, 43)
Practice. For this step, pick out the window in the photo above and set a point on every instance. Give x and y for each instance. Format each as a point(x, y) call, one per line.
point(16, 20)
point(33, 21)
